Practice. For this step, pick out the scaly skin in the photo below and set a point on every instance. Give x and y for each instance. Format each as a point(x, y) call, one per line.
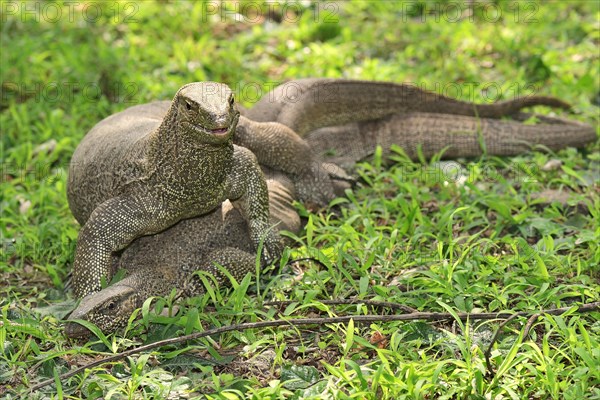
point(304, 105)
point(132, 176)
point(308, 104)
point(457, 135)
point(298, 107)
point(157, 264)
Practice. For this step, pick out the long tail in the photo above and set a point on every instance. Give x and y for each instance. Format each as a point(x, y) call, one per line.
point(461, 136)
point(308, 104)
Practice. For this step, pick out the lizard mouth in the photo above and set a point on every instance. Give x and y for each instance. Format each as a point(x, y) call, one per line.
point(220, 131)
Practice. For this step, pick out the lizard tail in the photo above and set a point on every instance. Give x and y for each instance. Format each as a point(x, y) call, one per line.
point(308, 104)
point(511, 107)
point(457, 136)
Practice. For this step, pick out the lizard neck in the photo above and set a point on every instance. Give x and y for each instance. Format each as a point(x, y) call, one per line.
point(172, 151)
point(183, 165)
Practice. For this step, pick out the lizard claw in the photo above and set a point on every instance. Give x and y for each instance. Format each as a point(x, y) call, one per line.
point(272, 248)
point(272, 243)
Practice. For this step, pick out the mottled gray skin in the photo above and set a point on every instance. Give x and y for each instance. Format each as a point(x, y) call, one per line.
point(456, 135)
point(308, 104)
point(135, 175)
point(156, 264)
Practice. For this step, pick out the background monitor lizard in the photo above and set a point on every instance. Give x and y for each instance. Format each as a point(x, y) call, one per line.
point(157, 263)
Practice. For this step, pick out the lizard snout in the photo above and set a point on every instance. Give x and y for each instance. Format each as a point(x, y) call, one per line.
point(74, 330)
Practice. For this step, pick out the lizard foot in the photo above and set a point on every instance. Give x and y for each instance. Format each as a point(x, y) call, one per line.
point(272, 247)
point(324, 182)
point(272, 243)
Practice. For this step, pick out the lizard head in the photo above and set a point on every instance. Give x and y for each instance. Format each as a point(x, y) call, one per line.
point(108, 309)
point(206, 112)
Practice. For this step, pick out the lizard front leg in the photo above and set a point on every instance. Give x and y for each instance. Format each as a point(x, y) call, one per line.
point(274, 145)
point(111, 227)
point(247, 184)
point(280, 148)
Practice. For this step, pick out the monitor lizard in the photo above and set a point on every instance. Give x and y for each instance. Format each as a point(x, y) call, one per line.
point(156, 264)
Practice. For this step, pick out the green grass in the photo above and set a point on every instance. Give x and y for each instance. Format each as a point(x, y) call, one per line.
point(409, 235)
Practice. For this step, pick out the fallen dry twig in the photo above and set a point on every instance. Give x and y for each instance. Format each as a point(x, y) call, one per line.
point(428, 316)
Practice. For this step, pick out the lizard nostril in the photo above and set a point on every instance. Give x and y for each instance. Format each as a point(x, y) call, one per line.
point(223, 121)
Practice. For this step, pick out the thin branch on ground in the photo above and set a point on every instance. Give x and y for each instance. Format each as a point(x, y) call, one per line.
point(530, 323)
point(372, 303)
point(428, 316)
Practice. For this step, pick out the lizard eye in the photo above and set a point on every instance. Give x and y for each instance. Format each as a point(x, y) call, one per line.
point(231, 101)
point(188, 106)
point(111, 306)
